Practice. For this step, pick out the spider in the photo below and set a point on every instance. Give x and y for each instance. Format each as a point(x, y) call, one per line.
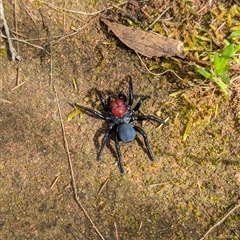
point(120, 115)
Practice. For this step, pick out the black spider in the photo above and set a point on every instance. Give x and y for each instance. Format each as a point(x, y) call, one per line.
point(119, 114)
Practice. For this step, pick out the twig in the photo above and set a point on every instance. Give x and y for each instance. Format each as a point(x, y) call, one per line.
point(157, 74)
point(103, 186)
point(61, 11)
point(140, 227)
point(14, 54)
point(18, 74)
point(220, 222)
point(5, 101)
point(83, 13)
point(165, 121)
point(64, 17)
point(74, 186)
point(66, 36)
point(34, 21)
point(18, 86)
point(16, 29)
point(73, 33)
point(54, 182)
point(157, 19)
point(15, 17)
point(56, 39)
point(116, 230)
point(51, 69)
point(23, 41)
point(158, 184)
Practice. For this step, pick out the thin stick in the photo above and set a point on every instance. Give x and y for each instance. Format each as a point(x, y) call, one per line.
point(61, 11)
point(15, 18)
point(103, 186)
point(18, 74)
point(16, 29)
point(51, 69)
point(18, 86)
point(54, 182)
point(116, 230)
point(83, 13)
point(73, 33)
point(5, 101)
point(165, 121)
point(14, 54)
point(23, 41)
point(74, 186)
point(34, 21)
point(56, 39)
point(64, 17)
point(158, 184)
point(157, 18)
point(157, 74)
point(140, 227)
point(221, 221)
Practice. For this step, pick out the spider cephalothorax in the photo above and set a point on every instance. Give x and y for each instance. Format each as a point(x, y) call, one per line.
point(118, 108)
point(120, 115)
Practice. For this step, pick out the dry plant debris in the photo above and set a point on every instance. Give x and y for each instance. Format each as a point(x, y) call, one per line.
point(13, 52)
point(146, 43)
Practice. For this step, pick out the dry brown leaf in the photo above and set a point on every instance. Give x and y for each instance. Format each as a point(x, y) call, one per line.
point(146, 43)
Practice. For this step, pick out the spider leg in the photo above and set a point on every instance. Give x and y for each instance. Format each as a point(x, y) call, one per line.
point(109, 101)
point(122, 95)
point(120, 163)
point(104, 139)
point(141, 100)
point(138, 129)
point(104, 104)
point(130, 89)
point(150, 117)
point(89, 110)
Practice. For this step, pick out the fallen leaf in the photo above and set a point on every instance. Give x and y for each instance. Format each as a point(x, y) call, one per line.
point(146, 43)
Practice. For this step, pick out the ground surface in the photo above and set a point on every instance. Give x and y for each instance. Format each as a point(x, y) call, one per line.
point(190, 186)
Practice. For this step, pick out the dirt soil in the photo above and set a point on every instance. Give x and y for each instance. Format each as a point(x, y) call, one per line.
point(189, 187)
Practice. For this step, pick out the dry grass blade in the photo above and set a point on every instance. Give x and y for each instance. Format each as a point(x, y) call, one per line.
point(220, 222)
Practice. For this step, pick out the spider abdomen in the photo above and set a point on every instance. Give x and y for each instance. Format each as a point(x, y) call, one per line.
point(126, 132)
point(118, 108)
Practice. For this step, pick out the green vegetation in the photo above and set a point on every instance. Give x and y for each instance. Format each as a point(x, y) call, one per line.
point(219, 68)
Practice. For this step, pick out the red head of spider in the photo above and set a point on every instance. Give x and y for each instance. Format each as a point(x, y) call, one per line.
point(118, 107)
